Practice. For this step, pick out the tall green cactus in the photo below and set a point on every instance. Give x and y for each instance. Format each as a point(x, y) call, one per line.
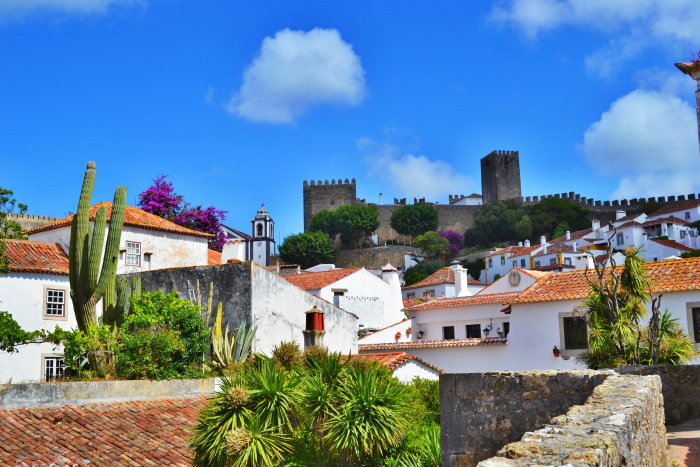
point(115, 301)
point(89, 271)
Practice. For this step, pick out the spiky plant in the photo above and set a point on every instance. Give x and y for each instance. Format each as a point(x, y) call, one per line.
point(90, 271)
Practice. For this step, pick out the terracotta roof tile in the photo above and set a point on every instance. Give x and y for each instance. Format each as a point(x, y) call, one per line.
point(573, 236)
point(145, 432)
point(435, 344)
point(629, 224)
point(551, 267)
point(133, 217)
point(665, 276)
point(672, 244)
point(318, 280)
point(677, 207)
point(665, 220)
point(465, 301)
point(441, 276)
point(526, 250)
point(213, 257)
point(558, 248)
point(629, 217)
point(39, 257)
point(392, 360)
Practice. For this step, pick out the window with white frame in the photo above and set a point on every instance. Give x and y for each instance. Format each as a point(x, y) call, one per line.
point(552, 261)
point(429, 293)
point(537, 264)
point(54, 368)
point(490, 262)
point(515, 264)
point(54, 303)
point(683, 234)
point(620, 239)
point(567, 261)
point(133, 254)
point(574, 333)
point(448, 332)
point(473, 331)
point(522, 263)
point(411, 295)
point(503, 260)
point(687, 216)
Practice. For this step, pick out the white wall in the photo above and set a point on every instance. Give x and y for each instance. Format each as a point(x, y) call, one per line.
point(22, 295)
point(412, 369)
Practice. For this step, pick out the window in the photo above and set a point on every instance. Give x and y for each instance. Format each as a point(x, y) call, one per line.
point(575, 333)
point(687, 216)
point(429, 293)
point(260, 229)
point(55, 303)
point(567, 261)
point(696, 323)
point(411, 295)
point(620, 238)
point(537, 264)
point(515, 264)
point(552, 261)
point(473, 331)
point(682, 234)
point(448, 332)
point(336, 297)
point(522, 263)
point(53, 368)
point(503, 260)
point(133, 254)
point(490, 262)
point(506, 328)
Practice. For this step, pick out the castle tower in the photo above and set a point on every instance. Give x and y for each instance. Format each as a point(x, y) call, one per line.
point(500, 176)
point(693, 70)
point(327, 196)
point(262, 243)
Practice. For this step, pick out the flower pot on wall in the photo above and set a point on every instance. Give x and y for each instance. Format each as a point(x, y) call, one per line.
point(409, 331)
point(398, 335)
point(556, 351)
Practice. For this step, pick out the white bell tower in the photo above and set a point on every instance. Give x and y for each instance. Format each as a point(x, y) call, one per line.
point(262, 243)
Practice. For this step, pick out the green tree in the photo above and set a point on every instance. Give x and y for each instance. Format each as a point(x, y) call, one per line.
point(496, 222)
point(614, 312)
point(312, 409)
point(551, 212)
point(12, 334)
point(420, 271)
point(324, 221)
point(355, 222)
point(415, 219)
point(8, 227)
point(307, 249)
point(475, 267)
point(432, 243)
point(561, 229)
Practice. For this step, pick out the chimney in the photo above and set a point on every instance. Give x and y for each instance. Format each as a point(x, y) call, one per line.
point(595, 224)
point(527, 243)
point(520, 243)
point(584, 261)
point(461, 282)
point(575, 247)
point(315, 328)
point(381, 199)
point(543, 240)
point(620, 214)
point(393, 305)
point(568, 235)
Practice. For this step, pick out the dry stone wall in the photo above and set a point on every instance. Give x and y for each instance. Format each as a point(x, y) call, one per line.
point(621, 424)
point(481, 412)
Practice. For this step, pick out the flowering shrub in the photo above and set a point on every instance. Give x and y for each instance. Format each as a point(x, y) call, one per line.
point(455, 239)
point(160, 199)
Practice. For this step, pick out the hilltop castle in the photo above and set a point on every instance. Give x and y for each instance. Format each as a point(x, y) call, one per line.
point(500, 180)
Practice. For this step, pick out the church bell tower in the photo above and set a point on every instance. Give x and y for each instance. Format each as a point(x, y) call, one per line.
point(262, 243)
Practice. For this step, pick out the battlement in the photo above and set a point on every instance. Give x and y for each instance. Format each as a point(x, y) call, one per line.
point(594, 203)
point(504, 153)
point(333, 182)
point(30, 221)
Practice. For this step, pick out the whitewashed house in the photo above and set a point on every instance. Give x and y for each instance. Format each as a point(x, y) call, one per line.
point(534, 312)
point(375, 300)
point(452, 281)
point(404, 367)
point(36, 292)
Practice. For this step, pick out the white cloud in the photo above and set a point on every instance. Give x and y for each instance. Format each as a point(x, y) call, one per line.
point(649, 140)
point(297, 70)
point(15, 9)
point(411, 175)
point(633, 24)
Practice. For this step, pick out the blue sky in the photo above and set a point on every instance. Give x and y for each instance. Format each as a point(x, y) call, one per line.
point(239, 102)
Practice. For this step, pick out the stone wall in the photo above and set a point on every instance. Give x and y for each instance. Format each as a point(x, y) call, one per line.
point(374, 258)
point(80, 392)
point(30, 221)
point(500, 176)
point(681, 388)
point(326, 195)
point(481, 412)
point(621, 424)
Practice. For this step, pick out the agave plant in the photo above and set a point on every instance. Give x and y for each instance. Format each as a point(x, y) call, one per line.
point(230, 347)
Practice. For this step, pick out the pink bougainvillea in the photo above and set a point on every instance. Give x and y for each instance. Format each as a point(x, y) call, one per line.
point(160, 199)
point(456, 240)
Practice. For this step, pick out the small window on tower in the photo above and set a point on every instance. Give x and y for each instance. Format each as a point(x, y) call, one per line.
point(260, 230)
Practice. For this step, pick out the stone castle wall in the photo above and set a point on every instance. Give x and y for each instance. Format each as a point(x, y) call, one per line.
point(30, 221)
point(324, 195)
point(500, 176)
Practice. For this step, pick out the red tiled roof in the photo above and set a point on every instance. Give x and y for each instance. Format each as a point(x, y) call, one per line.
point(317, 280)
point(665, 276)
point(441, 276)
point(677, 207)
point(666, 220)
point(392, 360)
point(39, 257)
point(213, 257)
point(465, 301)
point(629, 224)
point(672, 244)
point(409, 302)
point(551, 267)
point(434, 344)
point(525, 250)
point(573, 236)
point(629, 217)
point(558, 248)
point(133, 217)
point(474, 195)
point(145, 432)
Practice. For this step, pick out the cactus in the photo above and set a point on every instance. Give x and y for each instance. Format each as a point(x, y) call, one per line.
point(115, 310)
point(90, 273)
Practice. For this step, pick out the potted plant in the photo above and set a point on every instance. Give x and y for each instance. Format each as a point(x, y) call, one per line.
point(398, 335)
point(556, 351)
point(409, 331)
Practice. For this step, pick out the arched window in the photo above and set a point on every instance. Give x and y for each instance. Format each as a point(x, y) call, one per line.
point(260, 230)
